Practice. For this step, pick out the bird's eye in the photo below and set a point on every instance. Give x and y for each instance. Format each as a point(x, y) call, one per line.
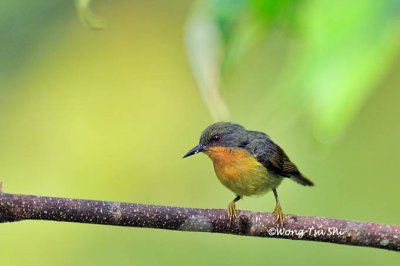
point(216, 138)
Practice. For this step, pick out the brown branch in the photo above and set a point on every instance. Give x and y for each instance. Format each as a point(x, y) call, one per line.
point(14, 207)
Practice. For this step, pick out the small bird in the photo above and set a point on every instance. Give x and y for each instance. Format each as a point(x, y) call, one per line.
point(247, 162)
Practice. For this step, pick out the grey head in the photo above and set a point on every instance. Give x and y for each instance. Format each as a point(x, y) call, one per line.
point(223, 134)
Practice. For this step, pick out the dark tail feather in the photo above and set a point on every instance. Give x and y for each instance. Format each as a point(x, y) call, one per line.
point(302, 180)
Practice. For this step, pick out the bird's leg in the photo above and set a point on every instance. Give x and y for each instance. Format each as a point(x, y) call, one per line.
point(232, 212)
point(278, 210)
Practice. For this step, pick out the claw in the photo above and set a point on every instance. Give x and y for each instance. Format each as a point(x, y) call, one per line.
point(279, 214)
point(232, 212)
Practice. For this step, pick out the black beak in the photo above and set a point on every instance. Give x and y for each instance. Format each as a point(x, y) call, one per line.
point(195, 150)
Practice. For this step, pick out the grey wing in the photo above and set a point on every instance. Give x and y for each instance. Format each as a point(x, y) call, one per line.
point(271, 155)
point(261, 147)
point(275, 159)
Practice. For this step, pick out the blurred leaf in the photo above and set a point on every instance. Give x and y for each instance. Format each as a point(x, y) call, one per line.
point(86, 15)
point(219, 33)
point(276, 12)
point(203, 42)
point(342, 52)
point(349, 47)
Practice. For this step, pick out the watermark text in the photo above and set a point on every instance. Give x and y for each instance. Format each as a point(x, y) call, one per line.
point(311, 231)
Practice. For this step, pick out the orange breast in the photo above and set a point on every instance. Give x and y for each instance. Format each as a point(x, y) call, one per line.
point(239, 171)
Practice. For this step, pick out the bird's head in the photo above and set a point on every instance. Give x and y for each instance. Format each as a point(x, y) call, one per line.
point(221, 134)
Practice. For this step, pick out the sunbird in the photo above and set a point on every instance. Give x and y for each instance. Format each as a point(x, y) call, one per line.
point(247, 162)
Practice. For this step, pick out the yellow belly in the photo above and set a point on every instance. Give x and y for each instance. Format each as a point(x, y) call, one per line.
point(240, 172)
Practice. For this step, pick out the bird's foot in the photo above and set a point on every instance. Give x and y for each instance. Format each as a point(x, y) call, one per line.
point(279, 214)
point(232, 212)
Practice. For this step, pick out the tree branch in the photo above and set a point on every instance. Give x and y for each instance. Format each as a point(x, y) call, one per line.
point(14, 207)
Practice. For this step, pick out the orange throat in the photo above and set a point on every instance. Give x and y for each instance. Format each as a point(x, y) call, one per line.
point(230, 163)
point(225, 155)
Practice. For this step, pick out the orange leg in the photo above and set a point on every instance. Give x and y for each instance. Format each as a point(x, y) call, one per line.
point(278, 210)
point(232, 212)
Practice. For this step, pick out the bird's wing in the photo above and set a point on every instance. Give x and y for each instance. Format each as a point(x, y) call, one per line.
point(271, 156)
point(275, 159)
point(279, 163)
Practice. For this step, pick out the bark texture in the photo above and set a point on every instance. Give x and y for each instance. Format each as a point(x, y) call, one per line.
point(15, 207)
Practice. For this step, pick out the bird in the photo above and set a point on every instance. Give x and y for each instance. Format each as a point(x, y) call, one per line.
point(248, 163)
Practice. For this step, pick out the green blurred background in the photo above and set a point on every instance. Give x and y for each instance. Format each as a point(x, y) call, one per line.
point(107, 114)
